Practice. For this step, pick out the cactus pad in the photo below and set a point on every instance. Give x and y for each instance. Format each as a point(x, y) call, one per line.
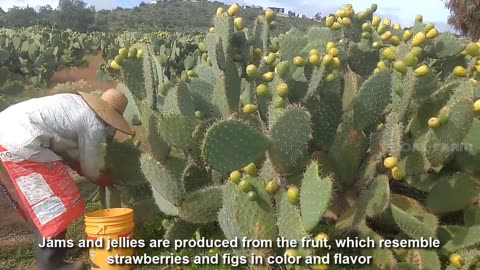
point(373, 97)
point(410, 225)
point(201, 206)
point(315, 197)
point(232, 144)
point(176, 130)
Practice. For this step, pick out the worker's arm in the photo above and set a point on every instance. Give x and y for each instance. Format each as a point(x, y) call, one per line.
point(89, 143)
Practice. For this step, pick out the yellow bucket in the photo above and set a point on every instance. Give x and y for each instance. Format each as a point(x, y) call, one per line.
point(109, 225)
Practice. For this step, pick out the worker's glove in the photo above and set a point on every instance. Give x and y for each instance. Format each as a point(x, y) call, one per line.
point(75, 165)
point(105, 180)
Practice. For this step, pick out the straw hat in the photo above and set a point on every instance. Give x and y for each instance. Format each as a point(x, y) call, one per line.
point(110, 107)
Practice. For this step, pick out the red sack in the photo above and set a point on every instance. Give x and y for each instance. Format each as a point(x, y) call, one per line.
point(47, 191)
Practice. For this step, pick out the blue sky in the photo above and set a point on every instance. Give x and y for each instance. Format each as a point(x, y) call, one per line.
point(402, 12)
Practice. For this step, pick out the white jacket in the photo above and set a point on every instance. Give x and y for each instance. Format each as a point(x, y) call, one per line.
point(38, 128)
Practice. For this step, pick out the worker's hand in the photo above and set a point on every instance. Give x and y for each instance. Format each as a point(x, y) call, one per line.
point(105, 180)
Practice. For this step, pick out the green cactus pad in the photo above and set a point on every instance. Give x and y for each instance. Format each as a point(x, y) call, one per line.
point(201, 206)
point(471, 216)
point(123, 159)
point(352, 83)
point(261, 34)
point(4, 56)
point(460, 190)
point(291, 45)
point(315, 197)
point(410, 225)
point(254, 219)
point(348, 150)
point(378, 196)
point(382, 258)
point(180, 230)
point(176, 130)
point(132, 111)
point(444, 45)
point(195, 177)
point(164, 205)
point(372, 100)
point(133, 77)
point(145, 210)
point(165, 178)
point(179, 101)
point(232, 86)
point(447, 139)
point(426, 85)
point(361, 60)
point(159, 147)
point(232, 144)
point(468, 238)
point(289, 220)
point(289, 135)
point(405, 266)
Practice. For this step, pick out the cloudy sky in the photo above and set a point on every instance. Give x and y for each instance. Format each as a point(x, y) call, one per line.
point(402, 11)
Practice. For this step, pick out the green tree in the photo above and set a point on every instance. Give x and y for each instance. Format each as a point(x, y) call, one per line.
point(75, 14)
point(20, 17)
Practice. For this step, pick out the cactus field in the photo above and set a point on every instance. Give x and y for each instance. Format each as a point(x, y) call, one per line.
point(356, 128)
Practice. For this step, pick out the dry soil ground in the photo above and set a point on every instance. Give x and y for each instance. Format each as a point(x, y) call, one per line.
point(16, 238)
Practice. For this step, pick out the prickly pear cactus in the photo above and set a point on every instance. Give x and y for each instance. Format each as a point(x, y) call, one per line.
point(358, 123)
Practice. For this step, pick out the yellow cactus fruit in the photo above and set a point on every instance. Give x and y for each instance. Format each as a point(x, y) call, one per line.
point(330, 45)
point(410, 59)
point(321, 237)
point(336, 26)
point(400, 66)
point(389, 53)
point(238, 23)
point(397, 26)
point(361, 15)
point(233, 10)
point(268, 77)
point(407, 35)
point(397, 173)
point(330, 77)
point(115, 65)
point(434, 122)
point(473, 49)
point(376, 21)
point(272, 187)
point(381, 65)
point(336, 63)
point(428, 27)
point(270, 15)
point(433, 33)
point(417, 51)
point(381, 29)
point(329, 21)
point(293, 194)
point(419, 39)
point(456, 260)
point(376, 70)
point(476, 106)
point(235, 177)
point(366, 27)
point(386, 36)
point(282, 90)
point(327, 59)
point(346, 21)
point(212, 30)
point(390, 162)
point(250, 169)
point(291, 253)
point(395, 40)
point(314, 59)
point(419, 18)
point(334, 52)
point(340, 13)
point(387, 22)
point(460, 71)
point(422, 70)
point(313, 51)
point(257, 52)
point(220, 11)
point(376, 45)
point(250, 109)
point(299, 61)
point(477, 69)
